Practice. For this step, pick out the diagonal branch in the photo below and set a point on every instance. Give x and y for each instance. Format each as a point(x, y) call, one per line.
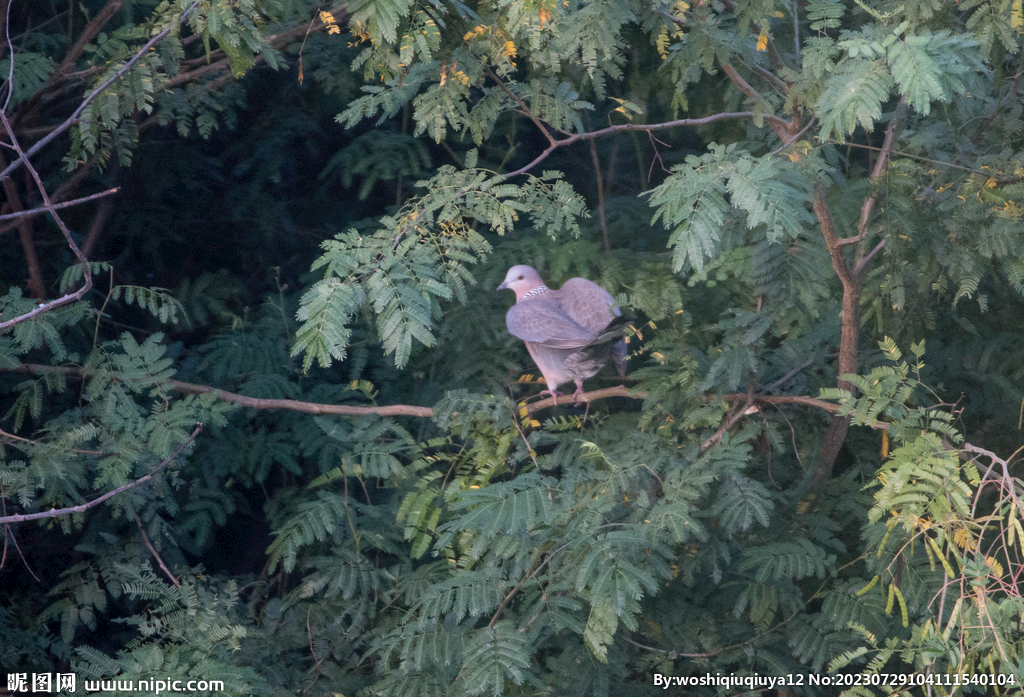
point(57, 512)
point(884, 156)
point(87, 273)
point(88, 34)
point(523, 106)
point(780, 126)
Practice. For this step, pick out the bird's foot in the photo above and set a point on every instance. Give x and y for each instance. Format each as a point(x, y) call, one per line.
point(554, 395)
point(578, 394)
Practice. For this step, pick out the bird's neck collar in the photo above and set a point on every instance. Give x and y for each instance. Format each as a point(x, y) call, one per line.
point(539, 290)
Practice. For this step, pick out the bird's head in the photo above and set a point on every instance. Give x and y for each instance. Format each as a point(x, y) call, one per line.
point(522, 279)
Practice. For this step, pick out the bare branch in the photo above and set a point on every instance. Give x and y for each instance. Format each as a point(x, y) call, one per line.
point(65, 204)
point(523, 106)
point(410, 410)
point(780, 126)
point(862, 264)
point(57, 512)
point(646, 127)
point(87, 280)
point(152, 550)
point(884, 155)
point(793, 138)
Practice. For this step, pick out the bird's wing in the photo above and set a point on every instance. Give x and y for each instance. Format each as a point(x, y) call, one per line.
point(586, 303)
point(542, 322)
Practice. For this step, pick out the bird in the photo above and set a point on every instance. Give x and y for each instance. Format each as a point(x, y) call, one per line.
point(570, 332)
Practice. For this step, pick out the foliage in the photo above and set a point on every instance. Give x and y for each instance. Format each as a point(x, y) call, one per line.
point(767, 188)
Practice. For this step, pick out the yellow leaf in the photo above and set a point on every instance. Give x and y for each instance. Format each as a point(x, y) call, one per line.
point(762, 40)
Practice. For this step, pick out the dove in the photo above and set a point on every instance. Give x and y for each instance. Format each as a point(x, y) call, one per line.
point(570, 332)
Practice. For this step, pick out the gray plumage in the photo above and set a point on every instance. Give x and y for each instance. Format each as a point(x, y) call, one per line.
point(570, 332)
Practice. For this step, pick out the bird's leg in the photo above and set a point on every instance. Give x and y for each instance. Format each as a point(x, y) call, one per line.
point(554, 395)
point(578, 394)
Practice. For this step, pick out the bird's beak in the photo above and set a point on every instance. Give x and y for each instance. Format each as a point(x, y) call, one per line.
point(503, 286)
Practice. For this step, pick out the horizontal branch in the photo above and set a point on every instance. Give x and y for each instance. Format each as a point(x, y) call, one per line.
point(56, 512)
point(65, 204)
point(423, 412)
point(244, 401)
point(648, 127)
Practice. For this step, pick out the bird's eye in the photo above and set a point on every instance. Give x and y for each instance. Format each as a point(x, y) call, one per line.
point(520, 277)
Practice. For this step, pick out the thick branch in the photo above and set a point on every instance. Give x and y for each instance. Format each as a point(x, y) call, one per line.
point(36, 288)
point(781, 127)
point(88, 34)
point(57, 512)
point(99, 222)
point(884, 155)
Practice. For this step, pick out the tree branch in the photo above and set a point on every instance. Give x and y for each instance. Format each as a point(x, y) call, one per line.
point(780, 126)
point(423, 412)
point(524, 107)
point(884, 155)
point(57, 206)
point(87, 273)
point(36, 287)
point(216, 61)
point(57, 512)
point(88, 34)
point(95, 93)
point(646, 127)
point(152, 550)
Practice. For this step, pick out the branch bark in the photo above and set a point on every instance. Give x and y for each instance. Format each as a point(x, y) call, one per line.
point(36, 288)
point(86, 272)
point(851, 280)
point(88, 34)
point(424, 412)
point(58, 206)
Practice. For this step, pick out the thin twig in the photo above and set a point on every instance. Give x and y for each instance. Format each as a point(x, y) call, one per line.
point(152, 550)
point(576, 137)
point(792, 140)
point(87, 280)
point(781, 381)
point(523, 106)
